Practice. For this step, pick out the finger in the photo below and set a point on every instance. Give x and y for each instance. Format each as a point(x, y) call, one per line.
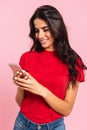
point(26, 77)
point(17, 74)
point(23, 85)
point(23, 80)
point(28, 74)
point(22, 75)
point(24, 88)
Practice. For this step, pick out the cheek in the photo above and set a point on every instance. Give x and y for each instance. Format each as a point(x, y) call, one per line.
point(52, 38)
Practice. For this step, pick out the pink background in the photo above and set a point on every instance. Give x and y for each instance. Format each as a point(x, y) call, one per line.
point(14, 17)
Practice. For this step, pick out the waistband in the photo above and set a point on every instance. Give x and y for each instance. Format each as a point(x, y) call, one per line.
point(34, 125)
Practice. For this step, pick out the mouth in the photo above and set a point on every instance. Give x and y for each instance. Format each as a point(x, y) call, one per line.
point(43, 41)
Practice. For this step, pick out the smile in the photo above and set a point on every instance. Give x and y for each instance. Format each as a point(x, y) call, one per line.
point(43, 41)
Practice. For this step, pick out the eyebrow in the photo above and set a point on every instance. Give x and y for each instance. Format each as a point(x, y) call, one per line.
point(42, 27)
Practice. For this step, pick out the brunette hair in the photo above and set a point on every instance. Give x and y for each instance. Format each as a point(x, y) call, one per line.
point(58, 29)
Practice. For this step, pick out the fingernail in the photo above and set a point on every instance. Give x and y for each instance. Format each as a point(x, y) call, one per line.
point(20, 73)
point(23, 70)
point(17, 72)
point(26, 77)
point(15, 77)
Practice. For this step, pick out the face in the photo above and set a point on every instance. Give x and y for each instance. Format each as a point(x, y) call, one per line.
point(43, 34)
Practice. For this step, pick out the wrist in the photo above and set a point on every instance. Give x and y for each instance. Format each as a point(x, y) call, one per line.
point(20, 89)
point(44, 92)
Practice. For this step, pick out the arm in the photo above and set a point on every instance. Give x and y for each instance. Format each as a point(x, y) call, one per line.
point(62, 106)
point(19, 96)
point(20, 92)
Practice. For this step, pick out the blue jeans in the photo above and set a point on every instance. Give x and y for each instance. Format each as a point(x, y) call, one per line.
point(22, 123)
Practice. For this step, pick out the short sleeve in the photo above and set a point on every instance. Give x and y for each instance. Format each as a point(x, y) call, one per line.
point(80, 71)
point(22, 61)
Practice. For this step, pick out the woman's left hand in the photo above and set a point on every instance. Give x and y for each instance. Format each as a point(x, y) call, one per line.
point(30, 84)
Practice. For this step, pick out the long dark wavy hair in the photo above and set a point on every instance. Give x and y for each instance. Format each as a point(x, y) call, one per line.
point(61, 44)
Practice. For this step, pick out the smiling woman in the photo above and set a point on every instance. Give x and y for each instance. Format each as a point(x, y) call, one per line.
point(53, 70)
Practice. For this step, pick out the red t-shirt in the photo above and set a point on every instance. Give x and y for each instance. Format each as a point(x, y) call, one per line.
point(48, 70)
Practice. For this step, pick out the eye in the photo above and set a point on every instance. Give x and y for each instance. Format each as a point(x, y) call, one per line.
point(36, 30)
point(45, 29)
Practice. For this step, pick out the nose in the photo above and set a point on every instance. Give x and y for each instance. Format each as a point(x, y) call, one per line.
point(40, 34)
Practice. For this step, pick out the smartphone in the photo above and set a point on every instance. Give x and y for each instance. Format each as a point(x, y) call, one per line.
point(14, 67)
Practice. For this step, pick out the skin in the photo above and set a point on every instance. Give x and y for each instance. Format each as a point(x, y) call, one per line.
point(30, 84)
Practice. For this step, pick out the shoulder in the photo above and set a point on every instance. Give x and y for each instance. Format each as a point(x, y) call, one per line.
point(26, 57)
point(28, 54)
point(79, 64)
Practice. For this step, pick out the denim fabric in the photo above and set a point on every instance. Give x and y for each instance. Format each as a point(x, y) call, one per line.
point(22, 123)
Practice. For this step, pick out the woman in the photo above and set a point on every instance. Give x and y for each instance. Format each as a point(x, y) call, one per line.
point(52, 70)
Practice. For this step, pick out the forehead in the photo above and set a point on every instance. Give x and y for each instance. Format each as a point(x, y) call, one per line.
point(38, 23)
